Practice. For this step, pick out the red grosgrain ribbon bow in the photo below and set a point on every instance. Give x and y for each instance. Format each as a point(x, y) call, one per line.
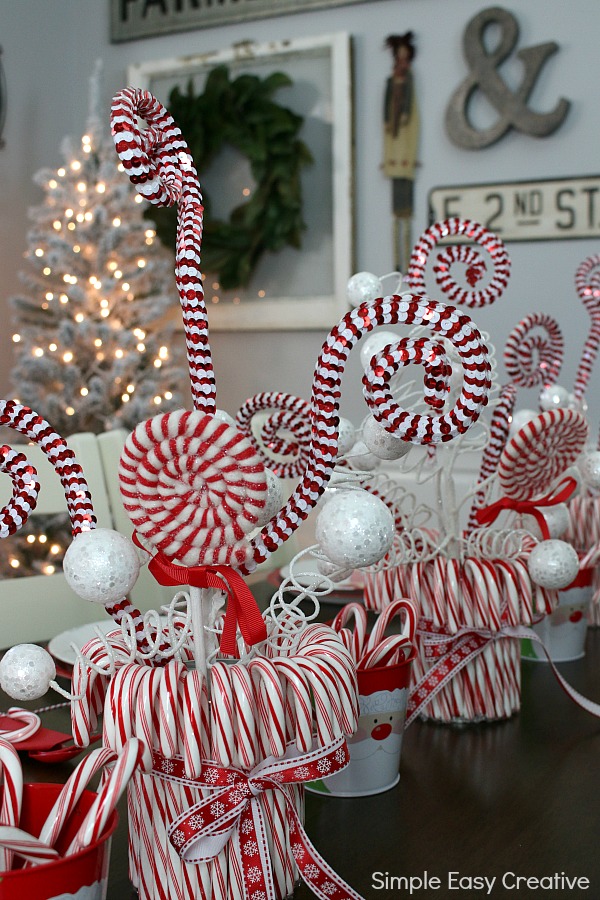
point(234, 813)
point(241, 610)
point(488, 514)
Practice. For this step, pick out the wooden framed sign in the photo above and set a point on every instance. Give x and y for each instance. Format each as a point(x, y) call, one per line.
point(131, 19)
point(544, 210)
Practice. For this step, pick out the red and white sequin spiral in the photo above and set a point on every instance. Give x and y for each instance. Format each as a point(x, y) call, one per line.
point(464, 255)
point(419, 429)
point(534, 357)
point(160, 166)
point(587, 282)
point(24, 493)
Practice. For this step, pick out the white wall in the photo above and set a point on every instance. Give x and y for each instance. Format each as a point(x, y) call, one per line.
point(49, 47)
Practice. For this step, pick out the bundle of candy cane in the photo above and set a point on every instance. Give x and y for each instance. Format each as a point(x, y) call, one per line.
point(235, 710)
point(474, 581)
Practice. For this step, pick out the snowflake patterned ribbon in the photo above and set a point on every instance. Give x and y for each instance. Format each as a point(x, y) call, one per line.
point(233, 815)
point(453, 652)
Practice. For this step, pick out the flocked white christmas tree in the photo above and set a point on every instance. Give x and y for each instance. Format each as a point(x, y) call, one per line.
point(93, 350)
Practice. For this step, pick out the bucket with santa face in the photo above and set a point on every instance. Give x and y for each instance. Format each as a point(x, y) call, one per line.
point(563, 632)
point(376, 746)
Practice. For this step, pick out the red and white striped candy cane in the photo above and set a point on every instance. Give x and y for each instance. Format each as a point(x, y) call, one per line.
point(533, 357)
point(468, 256)
point(12, 794)
point(108, 796)
point(160, 166)
point(425, 429)
point(587, 283)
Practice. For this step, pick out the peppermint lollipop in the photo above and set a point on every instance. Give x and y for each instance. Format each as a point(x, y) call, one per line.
point(540, 452)
point(193, 487)
point(469, 257)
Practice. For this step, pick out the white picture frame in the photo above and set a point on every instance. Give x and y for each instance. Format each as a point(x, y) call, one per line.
point(303, 289)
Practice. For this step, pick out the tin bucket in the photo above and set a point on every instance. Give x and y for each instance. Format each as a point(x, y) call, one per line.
point(82, 876)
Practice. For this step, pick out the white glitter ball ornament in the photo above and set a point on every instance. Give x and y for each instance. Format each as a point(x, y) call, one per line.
point(101, 565)
point(274, 498)
point(26, 672)
point(354, 529)
point(380, 442)
point(554, 397)
point(589, 466)
point(519, 418)
point(361, 458)
point(557, 520)
point(346, 436)
point(363, 287)
point(553, 564)
point(374, 343)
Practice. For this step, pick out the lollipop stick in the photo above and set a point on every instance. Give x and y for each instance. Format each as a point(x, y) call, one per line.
point(201, 606)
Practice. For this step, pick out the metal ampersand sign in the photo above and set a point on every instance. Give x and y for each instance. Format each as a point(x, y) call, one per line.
point(511, 106)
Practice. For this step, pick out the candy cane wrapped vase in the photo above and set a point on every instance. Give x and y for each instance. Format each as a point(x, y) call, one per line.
point(468, 663)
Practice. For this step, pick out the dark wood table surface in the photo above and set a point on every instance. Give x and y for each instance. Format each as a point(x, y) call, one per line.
point(499, 800)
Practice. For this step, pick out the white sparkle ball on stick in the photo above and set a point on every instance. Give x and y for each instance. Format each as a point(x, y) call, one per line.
point(354, 529)
point(274, 499)
point(101, 565)
point(553, 564)
point(589, 466)
point(26, 671)
point(519, 418)
point(346, 436)
point(361, 458)
point(557, 520)
point(363, 288)
point(554, 397)
point(374, 343)
point(381, 442)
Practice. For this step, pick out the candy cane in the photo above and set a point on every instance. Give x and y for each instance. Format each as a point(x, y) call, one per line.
point(108, 796)
point(159, 163)
point(72, 791)
point(12, 795)
point(475, 232)
point(21, 843)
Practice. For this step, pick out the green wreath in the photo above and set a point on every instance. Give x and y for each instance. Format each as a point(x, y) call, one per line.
point(243, 114)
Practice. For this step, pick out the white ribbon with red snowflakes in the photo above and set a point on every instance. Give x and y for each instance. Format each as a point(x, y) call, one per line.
point(233, 815)
point(452, 652)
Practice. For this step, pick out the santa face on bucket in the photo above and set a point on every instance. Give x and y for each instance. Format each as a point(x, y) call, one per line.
point(380, 730)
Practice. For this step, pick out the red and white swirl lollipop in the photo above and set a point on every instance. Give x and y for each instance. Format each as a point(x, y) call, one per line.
point(540, 452)
point(193, 487)
point(467, 256)
point(160, 165)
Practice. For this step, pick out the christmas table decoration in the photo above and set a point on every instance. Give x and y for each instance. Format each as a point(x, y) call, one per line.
point(476, 583)
point(235, 710)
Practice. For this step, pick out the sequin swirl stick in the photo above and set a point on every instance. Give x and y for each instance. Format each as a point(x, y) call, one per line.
point(465, 255)
point(533, 356)
point(79, 502)
point(587, 283)
point(160, 166)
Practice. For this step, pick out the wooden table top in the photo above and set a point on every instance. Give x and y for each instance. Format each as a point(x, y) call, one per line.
point(517, 798)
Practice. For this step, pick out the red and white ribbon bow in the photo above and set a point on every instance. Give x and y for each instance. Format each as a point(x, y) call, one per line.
point(233, 814)
point(453, 652)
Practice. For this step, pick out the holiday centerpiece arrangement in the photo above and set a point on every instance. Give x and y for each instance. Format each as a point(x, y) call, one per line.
point(235, 710)
point(477, 582)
